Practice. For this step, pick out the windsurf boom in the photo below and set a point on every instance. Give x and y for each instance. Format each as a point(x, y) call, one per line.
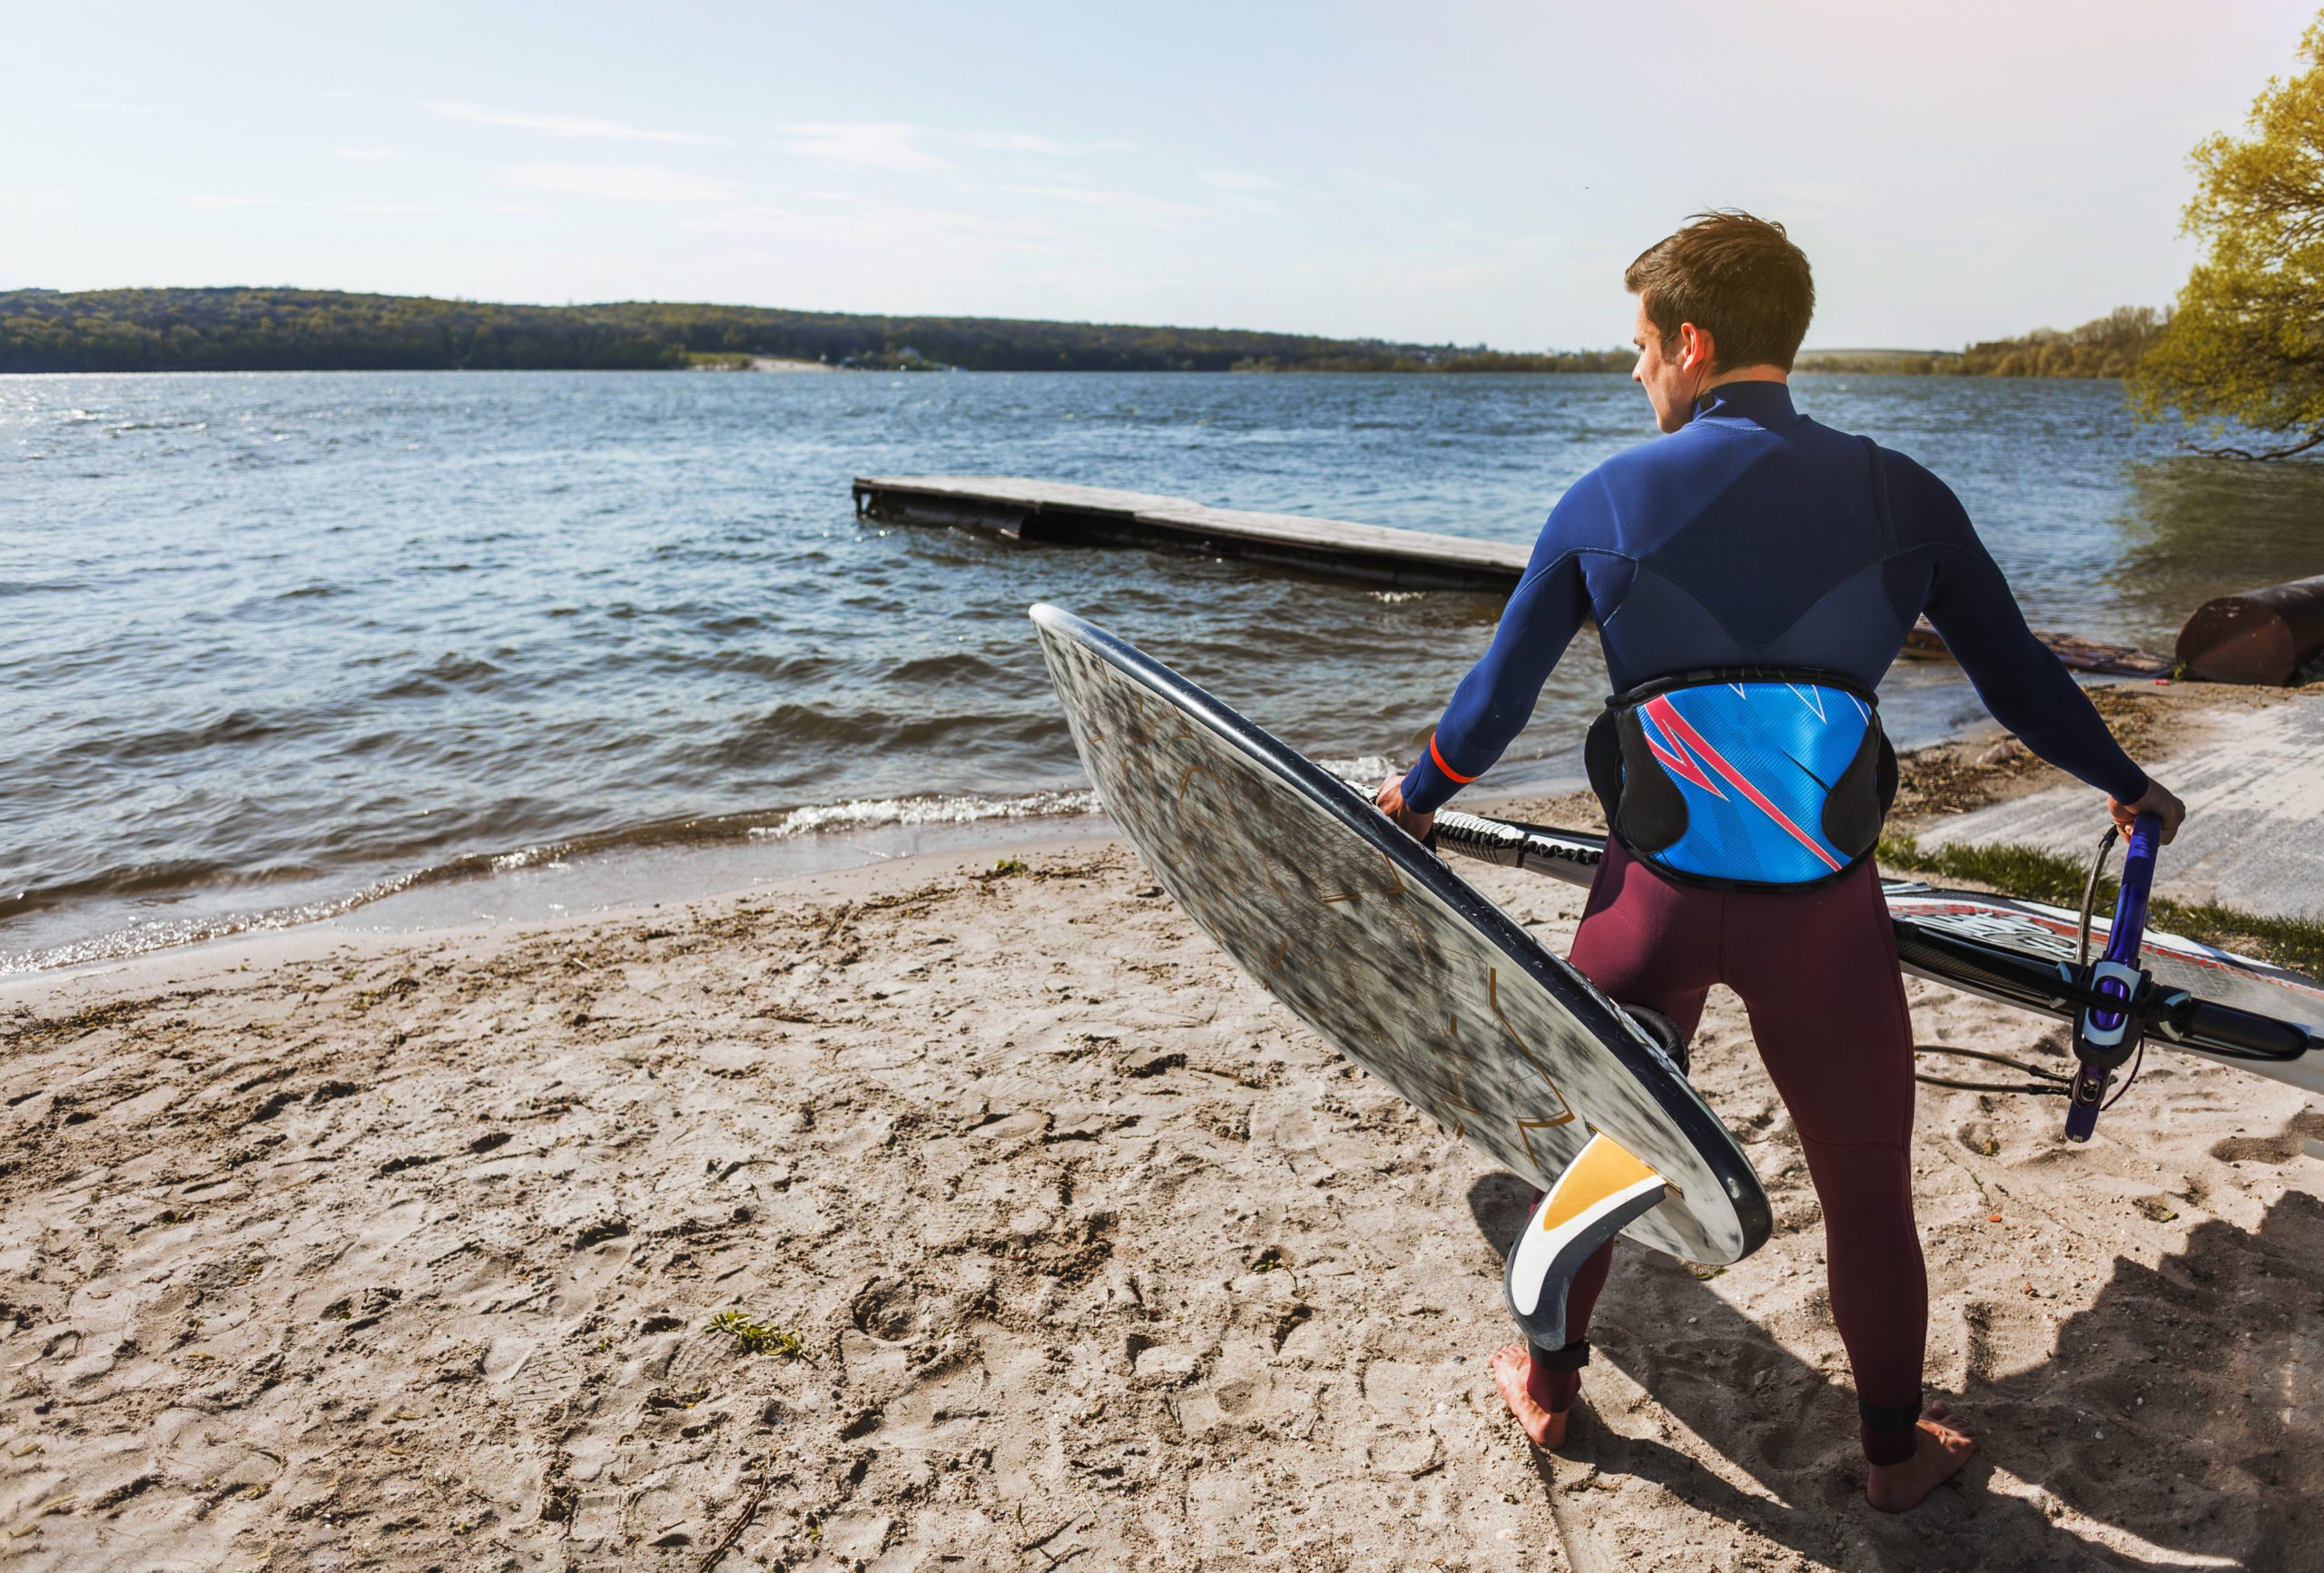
point(2236, 1010)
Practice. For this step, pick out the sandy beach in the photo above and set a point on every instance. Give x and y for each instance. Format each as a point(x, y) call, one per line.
point(1051, 1241)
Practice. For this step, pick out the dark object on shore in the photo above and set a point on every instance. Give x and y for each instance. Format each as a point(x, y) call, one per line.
point(2264, 635)
point(1056, 514)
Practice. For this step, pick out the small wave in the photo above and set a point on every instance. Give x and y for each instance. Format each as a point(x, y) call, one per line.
point(952, 666)
point(549, 857)
point(228, 729)
point(928, 810)
point(137, 939)
point(1369, 767)
point(776, 738)
point(448, 672)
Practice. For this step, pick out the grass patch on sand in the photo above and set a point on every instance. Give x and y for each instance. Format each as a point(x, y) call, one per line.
point(2034, 875)
point(755, 1338)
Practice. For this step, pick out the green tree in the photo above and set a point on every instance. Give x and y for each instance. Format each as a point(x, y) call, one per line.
point(2246, 344)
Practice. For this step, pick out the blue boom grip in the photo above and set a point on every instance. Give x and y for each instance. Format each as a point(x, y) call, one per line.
point(2104, 1038)
point(2129, 931)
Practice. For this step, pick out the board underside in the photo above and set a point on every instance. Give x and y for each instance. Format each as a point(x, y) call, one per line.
point(1392, 960)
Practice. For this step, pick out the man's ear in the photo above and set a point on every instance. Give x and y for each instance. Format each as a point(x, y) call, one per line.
point(1696, 350)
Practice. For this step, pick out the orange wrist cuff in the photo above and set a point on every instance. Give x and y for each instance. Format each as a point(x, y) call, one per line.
point(1448, 770)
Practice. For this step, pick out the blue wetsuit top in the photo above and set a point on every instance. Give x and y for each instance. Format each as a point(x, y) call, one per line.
point(1753, 536)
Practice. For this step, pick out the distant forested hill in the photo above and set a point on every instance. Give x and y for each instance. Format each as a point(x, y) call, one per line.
point(2109, 346)
point(325, 330)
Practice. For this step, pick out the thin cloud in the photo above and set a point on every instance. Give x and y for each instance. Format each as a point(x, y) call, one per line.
point(865, 231)
point(35, 199)
point(1020, 141)
point(386, 210)
point(1129, 204)
point(101, 107)
point(212, 200)
point(624, 183)
point(779, 223)
point(368, 155)
point(852, 220)
point(515, 209)
point(1365, 181)
point(868, 144)
point(1242, 192)
point(1815, 196)
point(1046, 146)
point(564, 125)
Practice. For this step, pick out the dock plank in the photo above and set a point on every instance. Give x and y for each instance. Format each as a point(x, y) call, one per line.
point(1065, 513)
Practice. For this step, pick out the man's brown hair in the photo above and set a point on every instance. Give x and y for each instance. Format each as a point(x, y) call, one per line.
point(1738, 277)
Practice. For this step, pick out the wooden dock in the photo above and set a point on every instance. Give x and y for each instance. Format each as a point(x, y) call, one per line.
point(1055, 513)
point(1062, 514)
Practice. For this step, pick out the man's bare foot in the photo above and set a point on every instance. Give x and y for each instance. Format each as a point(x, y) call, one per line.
point(1510, 1367)
point(1938, 1452)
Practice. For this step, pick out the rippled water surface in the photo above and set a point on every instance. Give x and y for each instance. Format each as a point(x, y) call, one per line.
point(277, 642)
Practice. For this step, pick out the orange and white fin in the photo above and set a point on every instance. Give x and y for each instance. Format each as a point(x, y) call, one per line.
point(1602, 1192)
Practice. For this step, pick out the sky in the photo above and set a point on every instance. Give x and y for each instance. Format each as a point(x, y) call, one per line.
point(1450, 173)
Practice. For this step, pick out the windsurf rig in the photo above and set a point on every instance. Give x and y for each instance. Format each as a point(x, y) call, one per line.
point(2113, 1003)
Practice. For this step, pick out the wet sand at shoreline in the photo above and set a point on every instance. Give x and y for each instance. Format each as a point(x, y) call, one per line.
point(1060, 1244)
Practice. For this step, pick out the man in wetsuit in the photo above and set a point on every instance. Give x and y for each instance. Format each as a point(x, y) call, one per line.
point(1755, 543)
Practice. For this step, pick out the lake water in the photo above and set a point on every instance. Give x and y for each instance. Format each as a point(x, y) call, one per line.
point(280, 645)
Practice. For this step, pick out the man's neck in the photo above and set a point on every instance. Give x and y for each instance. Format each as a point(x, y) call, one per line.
point(1745, 374)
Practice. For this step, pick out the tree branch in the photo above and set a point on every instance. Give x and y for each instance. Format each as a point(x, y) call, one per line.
point(2314, 438)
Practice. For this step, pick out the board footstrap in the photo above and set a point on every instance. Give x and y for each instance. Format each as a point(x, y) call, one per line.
point(1602, 1192)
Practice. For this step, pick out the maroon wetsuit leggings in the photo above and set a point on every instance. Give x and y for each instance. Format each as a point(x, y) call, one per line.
point(1816, 969)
